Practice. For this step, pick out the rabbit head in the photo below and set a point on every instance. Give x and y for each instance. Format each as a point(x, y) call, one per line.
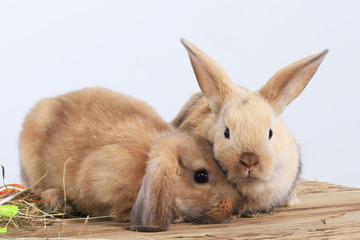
point(183, 183)
point(251, 143)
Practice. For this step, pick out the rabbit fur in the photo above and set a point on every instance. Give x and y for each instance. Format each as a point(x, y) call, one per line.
point(251, 142)
point(121, 159)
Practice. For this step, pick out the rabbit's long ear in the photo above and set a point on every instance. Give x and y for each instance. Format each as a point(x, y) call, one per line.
point(287, 83)
point(213, 80)
point(152, 211)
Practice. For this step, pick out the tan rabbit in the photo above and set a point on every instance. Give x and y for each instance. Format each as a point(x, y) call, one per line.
point(251, 142)
point(121, 159)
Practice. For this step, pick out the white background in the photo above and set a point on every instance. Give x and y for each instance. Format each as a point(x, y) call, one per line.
point(51, 47)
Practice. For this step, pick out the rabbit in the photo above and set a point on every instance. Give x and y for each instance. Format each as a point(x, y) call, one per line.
point(115, 156)
point(251, 143)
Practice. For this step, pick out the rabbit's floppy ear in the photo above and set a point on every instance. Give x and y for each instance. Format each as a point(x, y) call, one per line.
point(213, 80)
point(152, 210)
point(287, 83)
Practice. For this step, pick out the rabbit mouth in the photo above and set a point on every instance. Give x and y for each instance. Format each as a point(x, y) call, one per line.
point(248, 174)
point(235, 177)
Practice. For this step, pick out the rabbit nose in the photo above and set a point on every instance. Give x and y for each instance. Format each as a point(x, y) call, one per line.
point(249, 159)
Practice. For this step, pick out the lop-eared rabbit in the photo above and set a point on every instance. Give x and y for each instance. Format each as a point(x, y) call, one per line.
point(115, 156)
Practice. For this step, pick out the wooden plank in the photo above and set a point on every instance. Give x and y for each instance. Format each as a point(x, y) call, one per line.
point(326, 212)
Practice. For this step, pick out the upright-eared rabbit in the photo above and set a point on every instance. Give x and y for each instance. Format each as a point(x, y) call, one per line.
point(121, 159)
point(251, 143)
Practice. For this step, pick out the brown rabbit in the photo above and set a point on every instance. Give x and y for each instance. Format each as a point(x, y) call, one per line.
point(121, 159)
point(251, 142)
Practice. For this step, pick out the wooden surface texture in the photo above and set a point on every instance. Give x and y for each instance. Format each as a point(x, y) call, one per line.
point(325, 211)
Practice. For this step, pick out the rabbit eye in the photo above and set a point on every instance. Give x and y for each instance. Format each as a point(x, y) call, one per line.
point(227, 132)
point(270, 133)
point(201, 176)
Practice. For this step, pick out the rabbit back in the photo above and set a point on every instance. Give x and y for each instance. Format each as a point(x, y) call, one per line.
point(78, 129)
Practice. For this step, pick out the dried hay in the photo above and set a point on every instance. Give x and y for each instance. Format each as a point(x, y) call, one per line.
point(20, 209)
point(26, 213)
